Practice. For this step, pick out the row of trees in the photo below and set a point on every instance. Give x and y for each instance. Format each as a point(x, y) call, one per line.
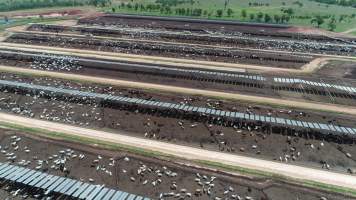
point(319, 20)
point(30, 4)
point(330, 20)
point(284, 16)
point(264, 17)
point(174, 2)
point(198, 12)
point(338, 2)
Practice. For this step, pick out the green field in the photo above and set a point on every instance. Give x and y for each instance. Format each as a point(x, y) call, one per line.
point(302, 14)
point(271, 11)
point(27, 21)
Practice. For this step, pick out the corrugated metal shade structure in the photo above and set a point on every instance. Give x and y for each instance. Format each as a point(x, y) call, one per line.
point(314, 83)
point(329, 128)
point(212, 74)
point(62, 185)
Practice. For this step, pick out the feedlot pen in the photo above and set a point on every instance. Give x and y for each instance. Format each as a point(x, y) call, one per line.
point(336, 91)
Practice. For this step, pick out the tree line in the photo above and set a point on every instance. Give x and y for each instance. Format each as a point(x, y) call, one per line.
point(338, 2)
point(31, 4)
point(198, 12)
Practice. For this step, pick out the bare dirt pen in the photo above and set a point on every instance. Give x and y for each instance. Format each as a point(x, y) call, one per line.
point(176, 76)
point(303, 149)
point(296, 43)
point(204, 26)
point(140, 175)
point(171, 40)
point(340, 69)
point(259, 36)
point(156, 48)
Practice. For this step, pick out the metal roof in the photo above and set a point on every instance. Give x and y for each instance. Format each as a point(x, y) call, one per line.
point(57, 184)
point(183, 107)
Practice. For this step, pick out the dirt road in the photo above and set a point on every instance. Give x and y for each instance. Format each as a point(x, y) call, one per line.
point(350, 30)
point(191, 153)
point(189, 91)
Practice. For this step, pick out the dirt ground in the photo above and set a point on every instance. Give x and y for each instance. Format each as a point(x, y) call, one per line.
point(204, 26)
point(152, 177)
point(236, 67)
point(142, 175)
point(195, 100)
point(339, 69)
point(239, 40)
point(303, 150)
point(177, 50)
point(265, 88)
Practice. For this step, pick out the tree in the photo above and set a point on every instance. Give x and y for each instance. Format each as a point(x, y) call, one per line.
point(129, 6)
point(142, 8)
point(225, 4)
point(219, 13)
point(188, 12)
point(332, 24)
point(102, 3)
point(277, 18)
point(229, 12)
point(289, 11)
point(113, 9)
point(168, 10)
point(244, 13)
point(285, 19)
point(318, 20)
point(197, 12)
point(267, 18)
point(259, 16)
point(252, 16)
point(182, 11)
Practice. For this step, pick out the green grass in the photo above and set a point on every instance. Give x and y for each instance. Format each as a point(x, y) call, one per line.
point(20, 22)
point(353, 33)
point(46, 9)
point(160, 155)
point(309, 8)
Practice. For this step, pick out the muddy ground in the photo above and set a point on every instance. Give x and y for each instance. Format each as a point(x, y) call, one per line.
point(339, 69)
point(143, 175)
point(217, 39)
point(303, 150)
point(154, 48)
point(247, 86)
point(204, 26)
point(176, 25)
point(297, 114)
